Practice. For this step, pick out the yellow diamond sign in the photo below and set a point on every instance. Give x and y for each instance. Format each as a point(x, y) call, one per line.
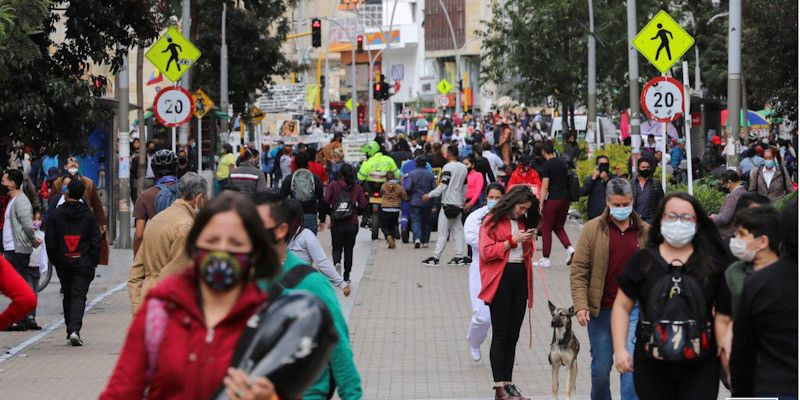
point(444, 86)
point(202, 103)
point(349, 104)
point(173, 54)
point(662, 41)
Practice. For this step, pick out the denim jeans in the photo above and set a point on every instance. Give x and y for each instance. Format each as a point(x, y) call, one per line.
point(602, 352)
point(421, 223)
point(310, 222)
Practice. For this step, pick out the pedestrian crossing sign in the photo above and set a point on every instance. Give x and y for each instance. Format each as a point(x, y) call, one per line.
point(202, 103)
point(444, 86)
point(173, 54)
point(662, 41)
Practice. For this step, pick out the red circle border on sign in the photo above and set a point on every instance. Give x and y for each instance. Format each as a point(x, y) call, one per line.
point(158, 115)
point(654, 81)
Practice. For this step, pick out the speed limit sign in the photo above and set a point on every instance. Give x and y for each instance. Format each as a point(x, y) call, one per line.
point(173, 106)
point(662, 99)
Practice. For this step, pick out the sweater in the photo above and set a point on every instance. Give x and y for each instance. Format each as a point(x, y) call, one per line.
point(475, 183)
point(248, 178)
point(359, 201)
point(73, 236)
point(306, 246)
point(392, 194)
point(453, 185)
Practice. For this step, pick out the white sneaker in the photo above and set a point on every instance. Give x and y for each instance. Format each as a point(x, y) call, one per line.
point(475, 353)
point(544, 262)
point(570, 253)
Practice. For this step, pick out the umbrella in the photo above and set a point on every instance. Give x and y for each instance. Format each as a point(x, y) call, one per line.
point(752, 118)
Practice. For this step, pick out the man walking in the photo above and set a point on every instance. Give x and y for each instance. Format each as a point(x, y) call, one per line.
point(605, 245)
point(453, 190)
point(19, 239)
point(161, 252)
point(248, 177)
point(305, 187)
point(73, 246)
point(595, 187)
point(419, 182)
point(158, 197)
point(647, 193)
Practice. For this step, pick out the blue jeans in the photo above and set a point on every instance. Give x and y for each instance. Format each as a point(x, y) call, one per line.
point(602, 351)
point(421, 223)
point(310, 222)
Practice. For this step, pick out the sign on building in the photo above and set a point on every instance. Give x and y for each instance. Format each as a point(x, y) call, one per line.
point(284, 98)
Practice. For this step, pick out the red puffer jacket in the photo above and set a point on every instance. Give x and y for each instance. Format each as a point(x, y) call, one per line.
point(193, 359)
point(494, 257)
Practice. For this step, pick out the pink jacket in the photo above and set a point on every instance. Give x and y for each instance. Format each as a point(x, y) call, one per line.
point(494, 258)
point(474, 187)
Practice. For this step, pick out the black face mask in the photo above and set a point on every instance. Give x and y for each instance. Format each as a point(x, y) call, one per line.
point(645, 173)
point(182, 160)
point(603, 167)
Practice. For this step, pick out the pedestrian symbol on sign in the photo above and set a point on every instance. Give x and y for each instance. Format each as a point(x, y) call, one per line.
point(173, 49)
point(662, 34)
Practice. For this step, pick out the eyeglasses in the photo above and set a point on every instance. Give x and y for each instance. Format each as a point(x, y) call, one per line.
point(672, 217)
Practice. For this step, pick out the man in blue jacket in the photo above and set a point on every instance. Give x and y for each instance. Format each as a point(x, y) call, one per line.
point(418, 183)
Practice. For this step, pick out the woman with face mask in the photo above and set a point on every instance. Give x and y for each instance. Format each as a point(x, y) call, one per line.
point(771, 179)
point(506, 247)
point(682, 242)
point(201, 312)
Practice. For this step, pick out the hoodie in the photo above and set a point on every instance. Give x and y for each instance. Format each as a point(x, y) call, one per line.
point(73, 236)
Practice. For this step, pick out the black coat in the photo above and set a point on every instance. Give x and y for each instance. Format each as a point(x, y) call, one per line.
point(72, 236)
point(596, 190)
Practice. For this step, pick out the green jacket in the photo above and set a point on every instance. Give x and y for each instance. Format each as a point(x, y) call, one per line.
point(341, 364)
point(374, 169)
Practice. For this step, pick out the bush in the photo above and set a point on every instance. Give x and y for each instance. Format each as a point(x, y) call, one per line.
point(785, 200)
point(706, 192)
point(618, 156)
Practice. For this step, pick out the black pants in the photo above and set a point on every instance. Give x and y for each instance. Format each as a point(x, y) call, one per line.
point(343, 239)
point(29, 274)
point(656, 380)
point(75, 285)
point(508, 312)
point(389, 223)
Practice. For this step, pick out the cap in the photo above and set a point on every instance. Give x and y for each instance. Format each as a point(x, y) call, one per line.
point(716, 140)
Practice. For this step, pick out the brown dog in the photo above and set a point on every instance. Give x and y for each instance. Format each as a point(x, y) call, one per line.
point(563, 349)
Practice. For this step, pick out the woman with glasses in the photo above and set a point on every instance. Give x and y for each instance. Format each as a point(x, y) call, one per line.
point(683, 245)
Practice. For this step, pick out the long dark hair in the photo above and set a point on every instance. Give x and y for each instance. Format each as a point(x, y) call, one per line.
point(504, 208)
point(348, 174)
point(707, 242)
point(264, 257)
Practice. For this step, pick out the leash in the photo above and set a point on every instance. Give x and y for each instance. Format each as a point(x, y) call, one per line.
point(546, 296)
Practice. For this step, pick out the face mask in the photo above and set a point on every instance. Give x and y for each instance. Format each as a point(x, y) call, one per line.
point(621, 213)
point(221, 270)
point(739, 249)
point(490, 203)
point(678, 233)
point(72, 171)
point(645, 173)
point(602, 167)
point(771, 164)
point(182, 160)
point(37, 225)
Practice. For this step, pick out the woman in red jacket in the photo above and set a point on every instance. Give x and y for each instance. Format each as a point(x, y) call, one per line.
point(506, 252)
point(182, 340)
point(23, 300)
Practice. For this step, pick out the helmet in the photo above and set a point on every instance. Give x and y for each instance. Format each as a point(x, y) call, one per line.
point(370, 148)
point(163, 163)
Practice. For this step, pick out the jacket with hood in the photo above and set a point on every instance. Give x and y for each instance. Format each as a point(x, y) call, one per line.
point(73, 236)
point(248, 177)
point(192, 358)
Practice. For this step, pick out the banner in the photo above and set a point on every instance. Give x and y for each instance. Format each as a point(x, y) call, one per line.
point(288, 97)
point(312, 92)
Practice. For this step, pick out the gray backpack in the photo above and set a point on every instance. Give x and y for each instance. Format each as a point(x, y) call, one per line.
point(303, 187)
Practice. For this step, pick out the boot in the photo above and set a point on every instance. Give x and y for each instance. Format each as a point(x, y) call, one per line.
point(513, 392)
point(390, 239)
point(500, 393)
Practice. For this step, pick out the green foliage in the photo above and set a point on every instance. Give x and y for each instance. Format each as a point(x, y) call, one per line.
point(618, 156)
point(785, 200)
point(705, 191)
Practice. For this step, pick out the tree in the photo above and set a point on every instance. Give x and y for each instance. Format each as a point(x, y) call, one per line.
point(257, 30)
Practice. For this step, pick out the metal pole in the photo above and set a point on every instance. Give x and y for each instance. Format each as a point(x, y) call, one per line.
point(223, 75)
point(664, 157)
point(371, 92)
point(325, 91)
point(186, 80)
point(687, 124)
point(142, 173)
point(174, 137)
point(199, 145)
point(353, 92)
point(124, 159)
point(633, 77)
point(592, 106)
point(458, 56)
point(698, 85)
point(734, 78)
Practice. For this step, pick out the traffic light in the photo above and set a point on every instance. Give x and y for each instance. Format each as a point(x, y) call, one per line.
point(99, 85)
point(316, 32)
point(360, 43)
point(322, 81)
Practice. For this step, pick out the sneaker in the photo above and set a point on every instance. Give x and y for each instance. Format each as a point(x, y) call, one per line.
point(15, 328)
point(432, 261)
point(391, 241)
point(416, 244)
point(424, 245)
point(475, 353)
point(75, 339)
point(570, 253)
point(467, 260)
point(31, 325)
point(544, 262)
point(455, 261)
point(338, 267)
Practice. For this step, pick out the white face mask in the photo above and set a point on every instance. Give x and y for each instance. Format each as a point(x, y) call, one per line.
point(678, 233)
point(739, 249)
point(72, 171)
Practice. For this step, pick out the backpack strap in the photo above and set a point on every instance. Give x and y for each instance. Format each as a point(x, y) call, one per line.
point(154, 325)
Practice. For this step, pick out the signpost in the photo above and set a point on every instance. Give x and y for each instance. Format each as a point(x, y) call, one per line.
point(173, 54)
point(444, 86)
point(173, 107)
point(202, 105)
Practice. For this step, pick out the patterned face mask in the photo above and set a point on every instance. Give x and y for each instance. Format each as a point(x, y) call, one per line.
point(222, 270)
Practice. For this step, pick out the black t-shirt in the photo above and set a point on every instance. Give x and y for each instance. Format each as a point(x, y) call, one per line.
point(645, 269)
point(557, 170)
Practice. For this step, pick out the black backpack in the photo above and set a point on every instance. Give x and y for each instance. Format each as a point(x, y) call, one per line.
point(675, 326)
point(342, 206)
point(573, 186)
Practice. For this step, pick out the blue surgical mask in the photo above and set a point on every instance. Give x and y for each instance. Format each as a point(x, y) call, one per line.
point(490, 203)
point(771, 164)
point(63, 188)
point(621, 213)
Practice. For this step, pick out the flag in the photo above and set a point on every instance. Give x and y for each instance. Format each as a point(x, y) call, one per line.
point(155, 77)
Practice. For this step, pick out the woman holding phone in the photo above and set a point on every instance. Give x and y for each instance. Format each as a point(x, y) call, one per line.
point(506, 254)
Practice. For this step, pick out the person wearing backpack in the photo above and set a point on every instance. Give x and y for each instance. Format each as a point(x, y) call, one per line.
point(347, 201)
point(756, 245)
point(303, 186)
point(556, 196)
point(676, 280)
point(158, 197)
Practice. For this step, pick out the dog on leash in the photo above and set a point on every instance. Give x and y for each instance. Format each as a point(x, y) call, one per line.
point(563, 349)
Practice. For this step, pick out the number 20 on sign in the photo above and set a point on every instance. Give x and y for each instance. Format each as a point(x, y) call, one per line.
point(173, 106)
point(662, 99)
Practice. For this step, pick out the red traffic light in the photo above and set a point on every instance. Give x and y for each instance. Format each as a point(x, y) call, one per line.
point(316, 23)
